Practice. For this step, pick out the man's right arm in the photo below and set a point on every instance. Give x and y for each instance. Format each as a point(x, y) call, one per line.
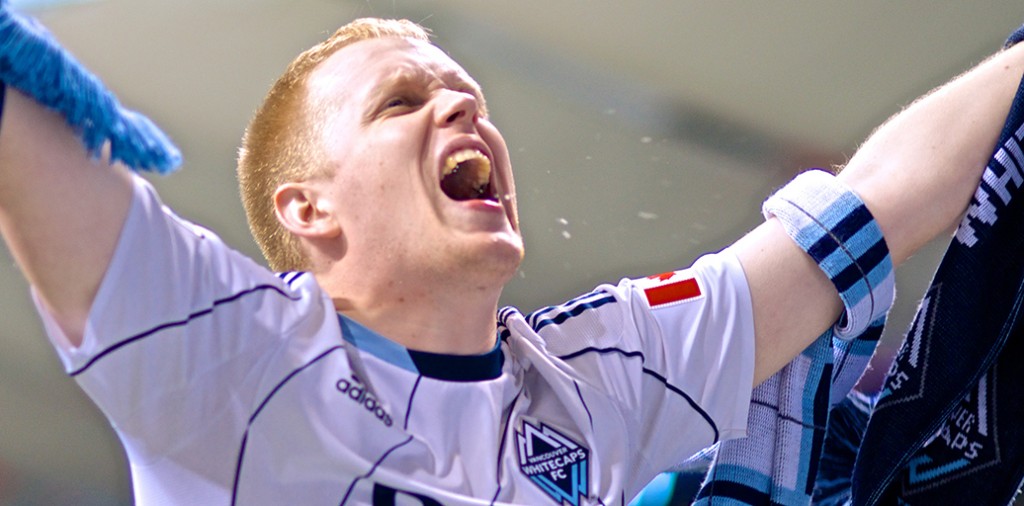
point(61, 211)
point(916, 175)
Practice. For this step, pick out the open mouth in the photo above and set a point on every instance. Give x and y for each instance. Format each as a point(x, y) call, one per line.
point(467, 176)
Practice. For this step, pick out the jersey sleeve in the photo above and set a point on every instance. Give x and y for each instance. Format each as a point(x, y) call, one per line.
point(696, 327)
point(673, 352)
point(179, 333)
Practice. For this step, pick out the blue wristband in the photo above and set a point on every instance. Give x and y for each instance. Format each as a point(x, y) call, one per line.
point(831, 223)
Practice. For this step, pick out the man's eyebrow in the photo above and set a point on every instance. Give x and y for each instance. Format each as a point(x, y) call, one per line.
point(412, 76)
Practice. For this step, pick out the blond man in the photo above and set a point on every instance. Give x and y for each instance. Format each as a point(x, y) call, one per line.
point(377, 368)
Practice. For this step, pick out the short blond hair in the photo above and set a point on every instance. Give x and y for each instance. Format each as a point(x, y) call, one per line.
point(280, 145)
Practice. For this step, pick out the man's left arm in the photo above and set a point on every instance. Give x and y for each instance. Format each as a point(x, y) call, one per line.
point(916, 174)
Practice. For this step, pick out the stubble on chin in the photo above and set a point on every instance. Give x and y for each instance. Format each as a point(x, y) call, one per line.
point(490, 266)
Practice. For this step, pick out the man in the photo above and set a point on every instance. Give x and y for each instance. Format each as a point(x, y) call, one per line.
point(238, 386)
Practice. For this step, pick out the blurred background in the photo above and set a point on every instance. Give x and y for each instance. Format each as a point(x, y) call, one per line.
point(643, 134)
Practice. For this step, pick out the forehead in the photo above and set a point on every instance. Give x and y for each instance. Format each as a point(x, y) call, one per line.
point(361, 68)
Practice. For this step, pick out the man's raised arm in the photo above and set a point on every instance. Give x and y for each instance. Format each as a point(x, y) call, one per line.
point(62, 201)
point(61, 211)
point(916, 175)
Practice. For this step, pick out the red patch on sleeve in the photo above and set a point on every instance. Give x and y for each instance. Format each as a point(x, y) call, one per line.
point(672, 292)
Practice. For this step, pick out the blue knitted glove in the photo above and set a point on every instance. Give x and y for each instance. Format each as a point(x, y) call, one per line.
point(34, 63)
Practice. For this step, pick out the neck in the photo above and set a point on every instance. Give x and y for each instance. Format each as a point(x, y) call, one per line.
point(432, 317)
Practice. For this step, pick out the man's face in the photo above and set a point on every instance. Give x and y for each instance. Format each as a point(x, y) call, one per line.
point(421, 178)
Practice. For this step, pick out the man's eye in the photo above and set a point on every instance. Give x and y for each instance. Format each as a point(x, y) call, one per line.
point(397, 102)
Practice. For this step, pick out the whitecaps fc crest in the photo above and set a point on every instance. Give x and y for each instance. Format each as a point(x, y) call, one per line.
point(555, 463)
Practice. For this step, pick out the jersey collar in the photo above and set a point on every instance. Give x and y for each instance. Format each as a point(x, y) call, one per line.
point(440, 366)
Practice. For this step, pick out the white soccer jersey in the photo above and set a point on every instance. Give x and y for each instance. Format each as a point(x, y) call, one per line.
point(228, 384)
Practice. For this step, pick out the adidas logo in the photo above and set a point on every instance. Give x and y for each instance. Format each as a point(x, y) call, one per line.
point(356, 391)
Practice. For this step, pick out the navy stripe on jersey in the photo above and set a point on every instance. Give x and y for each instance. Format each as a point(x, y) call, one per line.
point(501, 445)
point(505, 312)
point(373, 469)
point(584, 403)
point(290, 277)
point(592, 301)
point(545, 309)
point(408, 405)
point(650, 372)
point(178, 323)
point(537, 318)
point(259, 409)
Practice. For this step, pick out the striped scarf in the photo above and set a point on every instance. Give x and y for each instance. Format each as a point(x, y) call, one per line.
point(943, 430)
point(778, 461)
point(945, 427)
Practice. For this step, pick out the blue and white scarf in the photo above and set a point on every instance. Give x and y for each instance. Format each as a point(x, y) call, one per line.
point(778, 461)
point(945, 428)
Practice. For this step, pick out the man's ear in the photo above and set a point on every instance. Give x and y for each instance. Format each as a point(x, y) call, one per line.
point(303, 211)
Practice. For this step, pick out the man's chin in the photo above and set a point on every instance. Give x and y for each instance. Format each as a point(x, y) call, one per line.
point(495, 260)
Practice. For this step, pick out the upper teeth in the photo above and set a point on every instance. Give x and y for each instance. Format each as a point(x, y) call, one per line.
point(483, 165)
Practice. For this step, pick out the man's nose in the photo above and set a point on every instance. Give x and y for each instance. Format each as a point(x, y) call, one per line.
point(455, 106)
